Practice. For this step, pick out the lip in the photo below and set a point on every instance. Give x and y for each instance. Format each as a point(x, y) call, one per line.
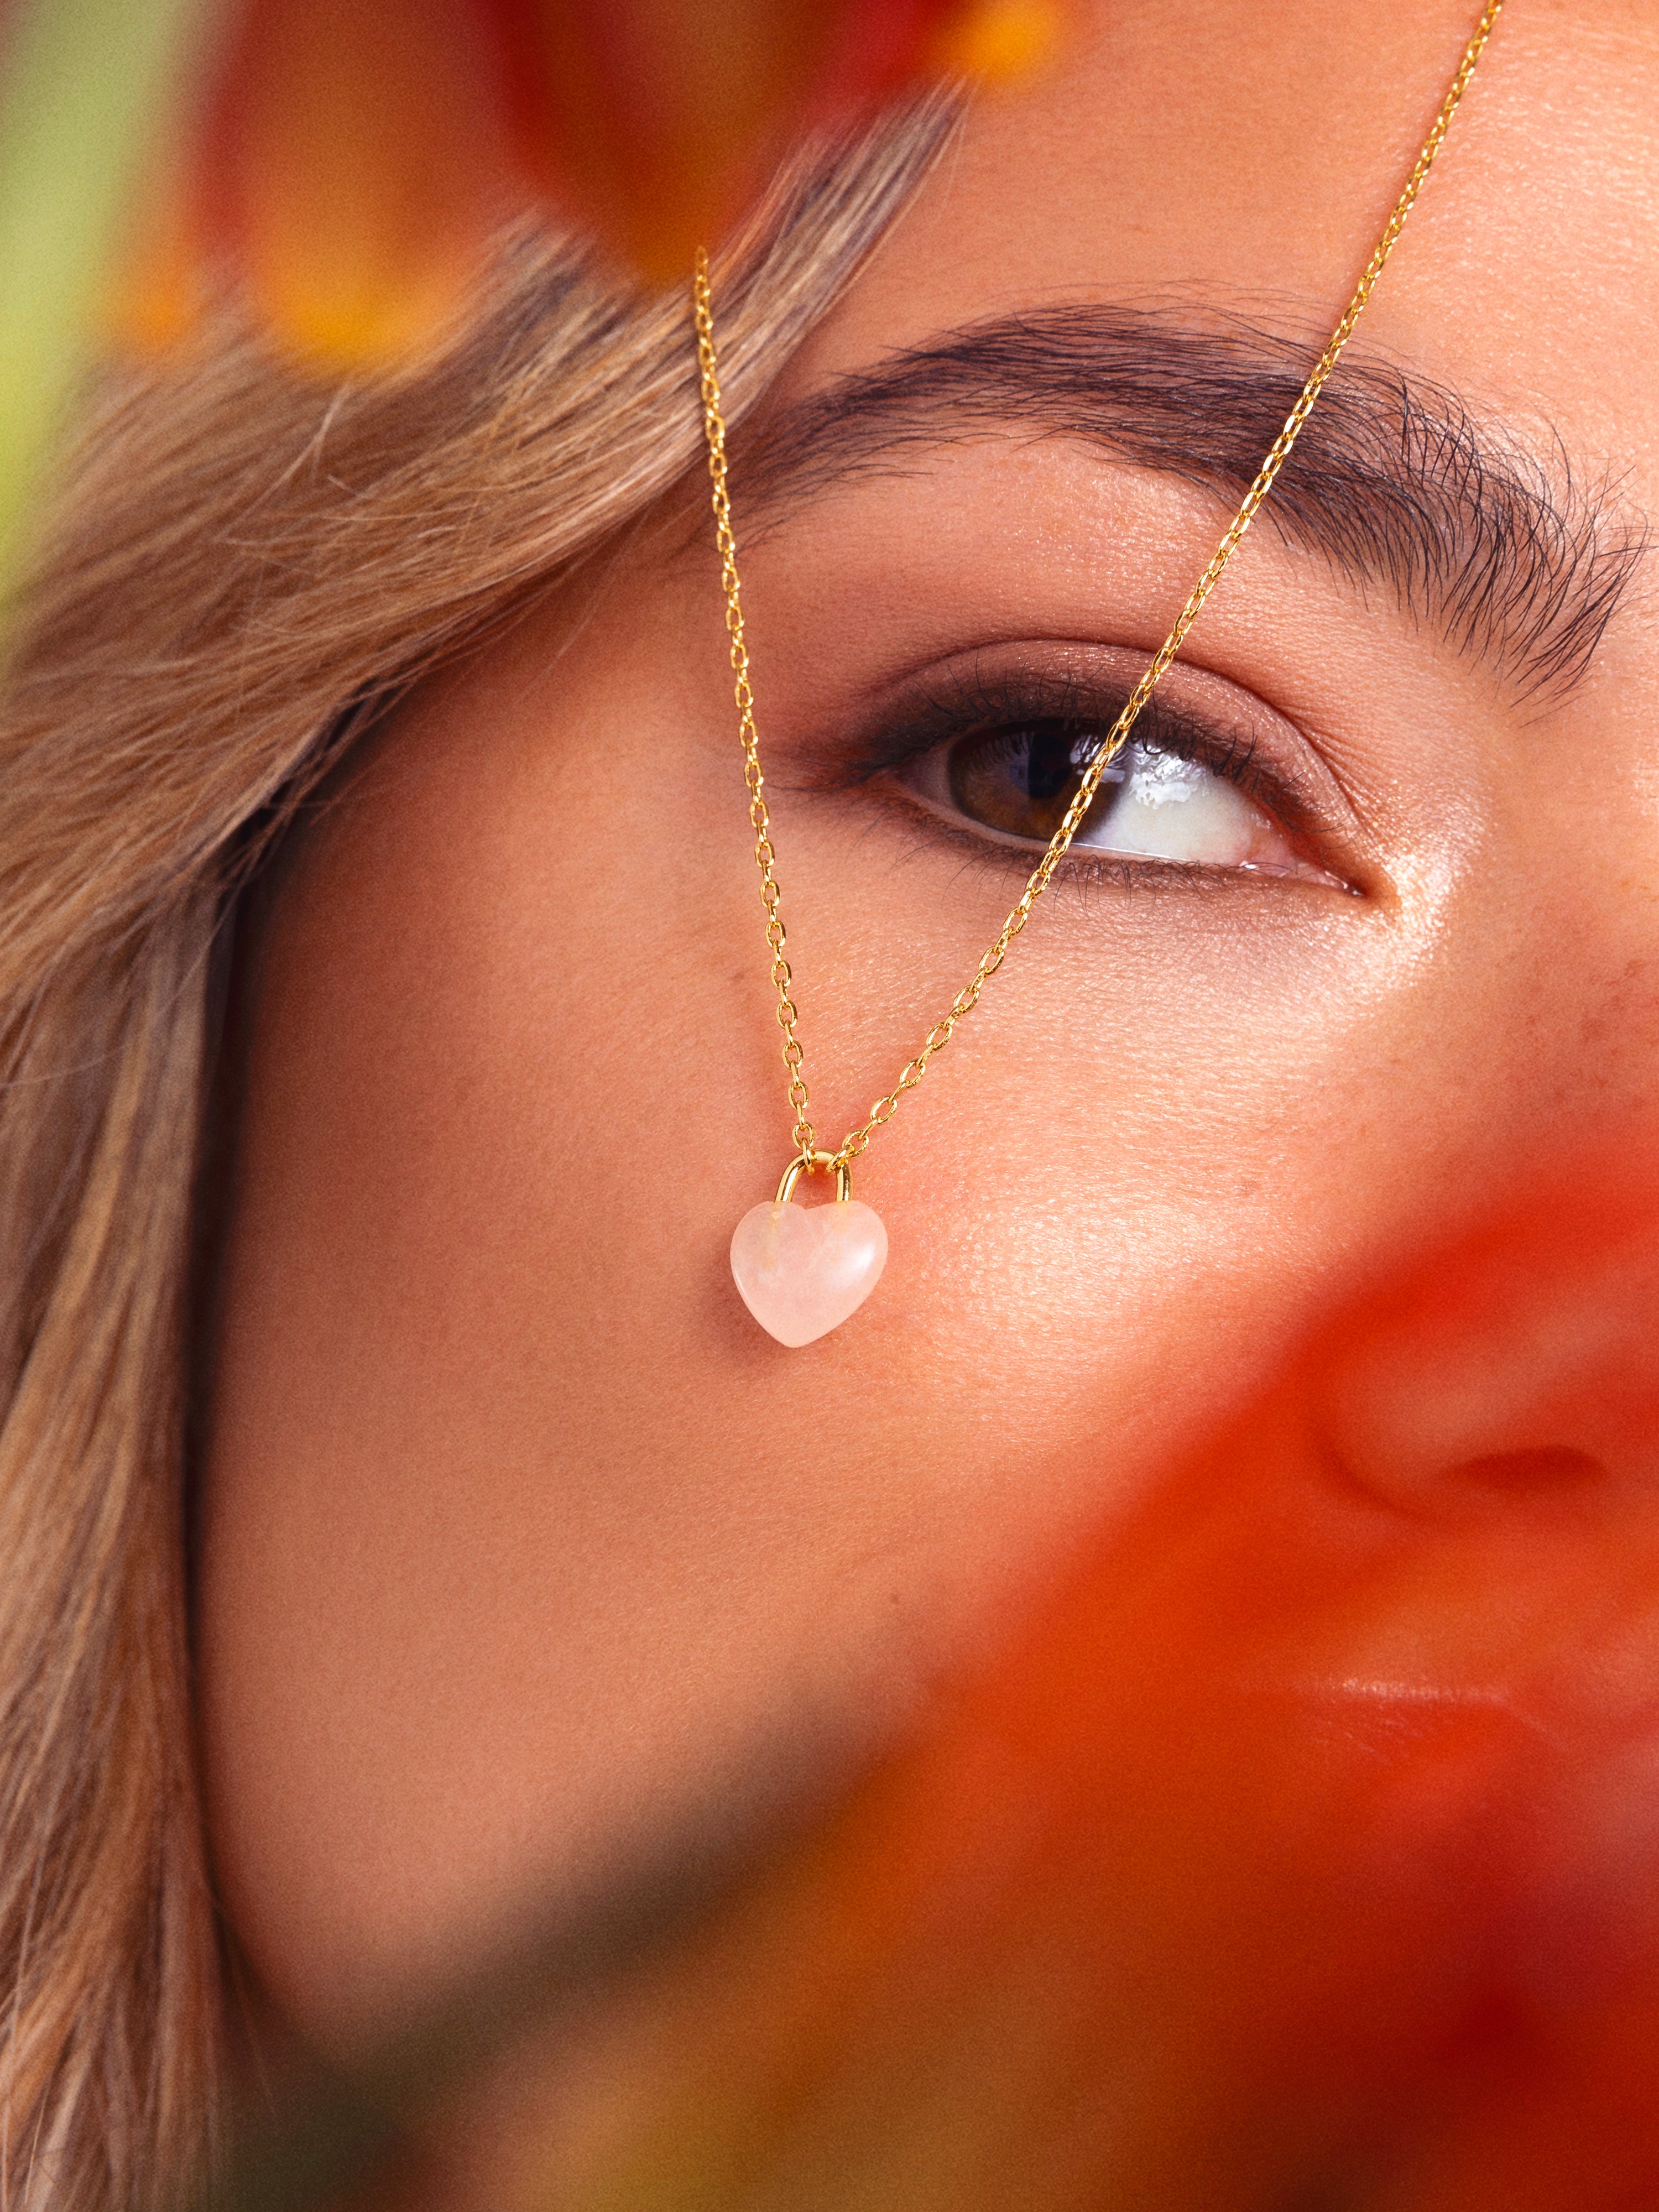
point(1538, 1809)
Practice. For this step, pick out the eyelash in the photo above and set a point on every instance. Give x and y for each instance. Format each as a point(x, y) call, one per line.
point(1022, 697)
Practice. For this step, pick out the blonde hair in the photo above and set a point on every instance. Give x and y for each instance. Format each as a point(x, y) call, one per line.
point(243, 566)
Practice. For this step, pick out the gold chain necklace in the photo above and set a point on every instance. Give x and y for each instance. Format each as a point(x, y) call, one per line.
point(803, 1273)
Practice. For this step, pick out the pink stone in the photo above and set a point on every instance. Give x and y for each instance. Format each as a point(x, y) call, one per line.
point(802, 1269)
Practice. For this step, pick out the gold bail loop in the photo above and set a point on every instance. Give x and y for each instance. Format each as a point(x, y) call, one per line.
point(817, 1163)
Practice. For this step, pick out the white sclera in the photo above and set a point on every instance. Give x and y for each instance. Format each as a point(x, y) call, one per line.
point(1170, 809)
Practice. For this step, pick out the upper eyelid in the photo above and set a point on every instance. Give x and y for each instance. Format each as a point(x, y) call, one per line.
point(951, 705)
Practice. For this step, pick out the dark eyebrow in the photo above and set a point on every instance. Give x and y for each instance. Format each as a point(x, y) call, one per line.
point(1390, 481)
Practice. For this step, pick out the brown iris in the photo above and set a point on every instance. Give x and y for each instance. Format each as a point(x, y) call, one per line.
point(1021, 781)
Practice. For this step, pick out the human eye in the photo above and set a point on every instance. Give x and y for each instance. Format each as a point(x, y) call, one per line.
point(1002, 765)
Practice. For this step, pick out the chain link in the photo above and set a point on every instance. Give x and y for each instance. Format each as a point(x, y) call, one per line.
point(804, 1136)
point(997, 951)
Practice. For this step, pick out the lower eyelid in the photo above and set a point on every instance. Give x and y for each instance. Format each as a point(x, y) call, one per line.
point(1085, 867)
point(926, 780)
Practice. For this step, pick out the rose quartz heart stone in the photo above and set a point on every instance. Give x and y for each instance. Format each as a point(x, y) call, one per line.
point(802, 1269)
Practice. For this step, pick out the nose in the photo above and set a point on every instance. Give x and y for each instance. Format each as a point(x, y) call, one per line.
point(1519, 1363)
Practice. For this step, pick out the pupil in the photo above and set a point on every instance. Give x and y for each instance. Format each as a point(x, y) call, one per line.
point(1048, 764)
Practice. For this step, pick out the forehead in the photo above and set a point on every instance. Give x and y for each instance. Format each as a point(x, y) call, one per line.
point(1230, 154)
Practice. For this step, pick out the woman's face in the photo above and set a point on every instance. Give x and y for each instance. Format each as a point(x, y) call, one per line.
point(519, 1532)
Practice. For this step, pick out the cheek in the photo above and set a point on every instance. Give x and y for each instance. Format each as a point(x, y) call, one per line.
point(518, 1531)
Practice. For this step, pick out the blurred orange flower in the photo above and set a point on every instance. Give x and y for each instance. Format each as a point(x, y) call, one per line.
point(349, 163)
point(1300, 1850)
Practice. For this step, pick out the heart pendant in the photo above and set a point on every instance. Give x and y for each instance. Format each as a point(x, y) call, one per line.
point(801, 1270)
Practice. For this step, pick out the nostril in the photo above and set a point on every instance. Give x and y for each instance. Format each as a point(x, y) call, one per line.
point(1514, 1374)
point(1552, 1466)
